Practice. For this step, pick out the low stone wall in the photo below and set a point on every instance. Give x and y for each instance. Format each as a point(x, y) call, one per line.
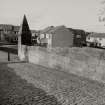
point(50, 59)
point(47, 58)
point(91, 67)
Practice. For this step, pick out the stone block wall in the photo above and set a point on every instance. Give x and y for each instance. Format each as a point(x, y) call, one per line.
point(92, 68)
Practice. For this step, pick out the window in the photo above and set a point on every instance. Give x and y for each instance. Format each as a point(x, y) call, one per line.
point(100, 38)
point(99, 44)
point(88, 38)
point(78, 36)
point(47, 35)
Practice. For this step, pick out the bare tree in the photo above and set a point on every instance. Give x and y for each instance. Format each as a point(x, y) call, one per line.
point(102, 11)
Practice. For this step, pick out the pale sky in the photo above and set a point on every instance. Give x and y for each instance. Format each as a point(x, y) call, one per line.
point(81, 14)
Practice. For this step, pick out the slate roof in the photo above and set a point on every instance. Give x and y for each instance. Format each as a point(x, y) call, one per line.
point(78, 31)
point(57, 28)
point(100, 35)
point(51, 29)
point(9, 27)
point(47, 30)
point(6, 27)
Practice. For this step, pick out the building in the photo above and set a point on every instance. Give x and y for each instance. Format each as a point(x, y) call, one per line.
point(5, 29)
point(45, 37)
point(35, 35)
point(58, 36)
point(79, 37)
point(16, 29)
point(96, 39)
point(8, 32)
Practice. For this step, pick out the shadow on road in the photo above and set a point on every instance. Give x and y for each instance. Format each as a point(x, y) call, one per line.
point(16, 91)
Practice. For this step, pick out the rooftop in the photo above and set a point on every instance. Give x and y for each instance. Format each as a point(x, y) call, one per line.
point(52, 29)
point(102, 35)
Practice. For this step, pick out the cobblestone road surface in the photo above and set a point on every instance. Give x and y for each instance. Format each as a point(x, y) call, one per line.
point(69, 89)
point(15, 91)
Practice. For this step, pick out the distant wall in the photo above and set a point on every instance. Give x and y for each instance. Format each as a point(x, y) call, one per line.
point(9, 49)
point(71, 61)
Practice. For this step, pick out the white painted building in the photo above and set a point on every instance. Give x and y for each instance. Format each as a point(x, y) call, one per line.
point(46, 39)
point(97, 38)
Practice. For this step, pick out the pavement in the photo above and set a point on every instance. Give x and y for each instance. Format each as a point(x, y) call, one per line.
point(22, 81)
point(69, 89)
